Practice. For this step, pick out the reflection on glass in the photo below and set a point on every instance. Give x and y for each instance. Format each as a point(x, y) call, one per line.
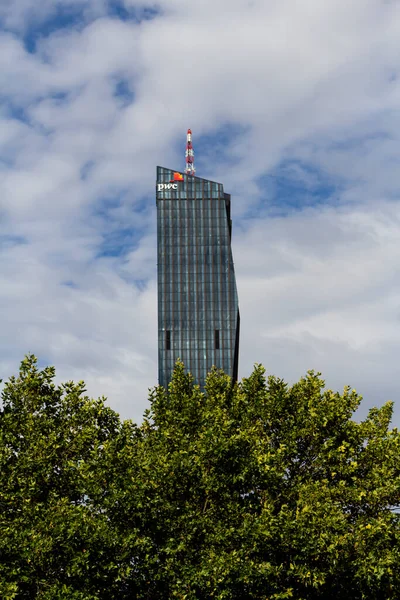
point(196, 281)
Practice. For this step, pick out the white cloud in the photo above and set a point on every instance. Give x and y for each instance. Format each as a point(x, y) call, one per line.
point(326, 296)
point(313, 83)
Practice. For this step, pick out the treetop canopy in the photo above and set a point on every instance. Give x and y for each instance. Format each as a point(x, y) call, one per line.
point(258, 490)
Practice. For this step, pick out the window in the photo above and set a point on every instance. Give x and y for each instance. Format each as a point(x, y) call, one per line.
point(216, 339)
point(168, 340)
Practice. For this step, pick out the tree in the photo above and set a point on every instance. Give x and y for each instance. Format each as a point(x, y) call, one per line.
point(259, 491)
point(267, 491)
point(54, 542)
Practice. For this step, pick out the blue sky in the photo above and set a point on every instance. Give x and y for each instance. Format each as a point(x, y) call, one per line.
point(293, 106)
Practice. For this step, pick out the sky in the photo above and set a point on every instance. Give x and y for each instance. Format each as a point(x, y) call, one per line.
point(294, 107)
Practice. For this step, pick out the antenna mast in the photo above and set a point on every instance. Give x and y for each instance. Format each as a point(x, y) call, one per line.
point(189, 154)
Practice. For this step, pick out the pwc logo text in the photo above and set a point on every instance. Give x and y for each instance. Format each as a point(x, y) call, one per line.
point(172, 185)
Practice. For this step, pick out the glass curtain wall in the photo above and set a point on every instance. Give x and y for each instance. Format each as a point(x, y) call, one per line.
point(198, 313)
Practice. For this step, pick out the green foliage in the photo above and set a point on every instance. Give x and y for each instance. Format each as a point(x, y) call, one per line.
point(256, 491)
point(55, 543)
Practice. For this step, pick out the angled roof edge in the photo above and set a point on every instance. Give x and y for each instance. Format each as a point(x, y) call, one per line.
point(191, 176)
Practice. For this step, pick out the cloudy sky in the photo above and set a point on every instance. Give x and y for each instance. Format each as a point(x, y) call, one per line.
point(294, 105)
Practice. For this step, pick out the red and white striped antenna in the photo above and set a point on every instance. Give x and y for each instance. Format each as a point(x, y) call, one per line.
point(189, 154)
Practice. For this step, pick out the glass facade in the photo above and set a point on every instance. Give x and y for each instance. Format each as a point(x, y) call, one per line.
point(198, 311)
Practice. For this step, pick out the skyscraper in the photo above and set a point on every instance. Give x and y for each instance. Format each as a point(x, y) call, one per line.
point(198, 311)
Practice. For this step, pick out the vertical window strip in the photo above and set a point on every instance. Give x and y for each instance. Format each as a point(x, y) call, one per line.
point(216, 339)
point(168, 340)
point(220, 235)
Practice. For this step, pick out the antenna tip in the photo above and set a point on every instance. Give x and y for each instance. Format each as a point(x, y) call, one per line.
point(189, 131)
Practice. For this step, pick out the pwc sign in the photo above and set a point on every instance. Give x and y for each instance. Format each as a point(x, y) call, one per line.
point(166, 186)
point(172, 185)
